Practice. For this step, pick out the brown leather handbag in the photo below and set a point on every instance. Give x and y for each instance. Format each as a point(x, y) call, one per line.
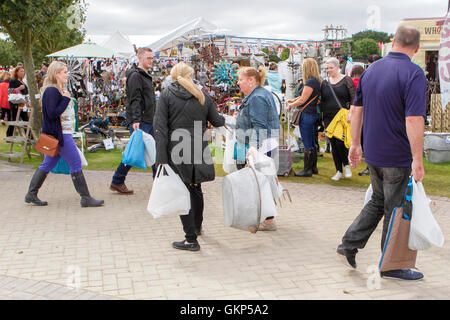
point(47, 145)
point(297, 113)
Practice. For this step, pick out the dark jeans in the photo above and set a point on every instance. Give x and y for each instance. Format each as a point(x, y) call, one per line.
point(307, 124)
point(194, 219)
point(122, 170)
point(389, 186)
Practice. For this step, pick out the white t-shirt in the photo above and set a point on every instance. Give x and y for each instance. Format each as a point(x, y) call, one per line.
point(68, 119)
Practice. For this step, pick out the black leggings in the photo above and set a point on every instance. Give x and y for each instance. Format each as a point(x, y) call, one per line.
point(338, 150)
point(340, 153)
point(194, 219)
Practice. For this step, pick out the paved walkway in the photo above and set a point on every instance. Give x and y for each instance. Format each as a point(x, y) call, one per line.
point(63, 251)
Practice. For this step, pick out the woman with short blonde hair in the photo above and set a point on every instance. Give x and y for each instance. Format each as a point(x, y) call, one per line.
point(338, 92)
point(59, 122)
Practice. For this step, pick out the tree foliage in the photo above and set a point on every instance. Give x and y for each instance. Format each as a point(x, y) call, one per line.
point(377, 36)
point(9, 55)
point(365, 47)
point(274, 57)
point(27, 22)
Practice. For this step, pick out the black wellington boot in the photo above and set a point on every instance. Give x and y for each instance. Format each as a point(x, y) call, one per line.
point(35, 184)
point(307, 165)
point(80, 185)
point(314, 161)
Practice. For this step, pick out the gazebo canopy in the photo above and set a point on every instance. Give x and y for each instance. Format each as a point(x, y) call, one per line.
point(85, 50)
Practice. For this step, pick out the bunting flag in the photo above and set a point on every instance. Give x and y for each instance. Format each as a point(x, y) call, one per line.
point(180, 48)
point(280, 50)
point(380, 45)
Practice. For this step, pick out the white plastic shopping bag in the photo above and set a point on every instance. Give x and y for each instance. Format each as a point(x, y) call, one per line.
point(169, 194)
point(229, 164)
point(83, 158)
point(369, 193)
point(425, 231)
point(150, 149)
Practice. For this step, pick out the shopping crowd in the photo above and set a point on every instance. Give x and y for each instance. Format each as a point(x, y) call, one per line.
point(363, 116)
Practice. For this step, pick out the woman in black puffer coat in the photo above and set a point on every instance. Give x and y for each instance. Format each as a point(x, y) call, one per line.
point(181, 116)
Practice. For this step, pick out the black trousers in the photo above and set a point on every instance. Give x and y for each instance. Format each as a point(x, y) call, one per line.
point(338, 150)
point(389, 186)
point(5, 112)
point(194, 219)
point(340, 153)
point(13, 112)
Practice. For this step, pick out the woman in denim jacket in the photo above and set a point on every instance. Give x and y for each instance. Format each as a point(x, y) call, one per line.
point(257, 120)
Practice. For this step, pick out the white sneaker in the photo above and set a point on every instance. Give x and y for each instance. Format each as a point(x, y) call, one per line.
point(338, 176)
point(347, 171)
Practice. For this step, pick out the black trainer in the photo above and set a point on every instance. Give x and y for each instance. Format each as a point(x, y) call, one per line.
point(182, 245)
point(349, 259)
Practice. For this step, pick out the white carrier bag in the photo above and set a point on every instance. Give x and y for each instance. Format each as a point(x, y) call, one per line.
point(169, 195)
point(150, 149)
point(425, 231)
point(229, 164)
point(247, 199)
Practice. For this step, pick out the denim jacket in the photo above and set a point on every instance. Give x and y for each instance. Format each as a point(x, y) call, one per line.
point(257, 118)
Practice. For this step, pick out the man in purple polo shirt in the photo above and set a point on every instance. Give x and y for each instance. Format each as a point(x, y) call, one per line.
point(391, 99)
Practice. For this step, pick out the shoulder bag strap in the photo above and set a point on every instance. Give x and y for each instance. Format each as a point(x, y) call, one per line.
point(334, 94)
point(304, 107)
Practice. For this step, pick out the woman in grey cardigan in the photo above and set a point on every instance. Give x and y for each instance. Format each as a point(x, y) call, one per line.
point(181, 116)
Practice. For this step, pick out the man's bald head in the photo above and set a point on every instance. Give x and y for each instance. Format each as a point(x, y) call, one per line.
point(407, 37)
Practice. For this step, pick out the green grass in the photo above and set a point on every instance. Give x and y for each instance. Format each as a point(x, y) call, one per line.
point(436, 181)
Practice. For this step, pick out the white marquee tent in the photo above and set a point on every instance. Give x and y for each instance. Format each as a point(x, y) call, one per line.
point(119, 44)
point(183, 33)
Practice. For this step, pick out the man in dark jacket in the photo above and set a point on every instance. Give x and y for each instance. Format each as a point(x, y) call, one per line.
point(140, 109)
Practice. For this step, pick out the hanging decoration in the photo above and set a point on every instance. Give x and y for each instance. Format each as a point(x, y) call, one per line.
point(224, 72)
point(75, 73)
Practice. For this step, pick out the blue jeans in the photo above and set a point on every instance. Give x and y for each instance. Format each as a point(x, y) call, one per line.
point(68, 152)
point(122, 170)
point(307, 123)
point(389, 186)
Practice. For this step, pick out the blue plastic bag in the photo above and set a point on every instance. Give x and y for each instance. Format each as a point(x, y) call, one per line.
point(240, 151)
point(134, 152)
point(61, 167)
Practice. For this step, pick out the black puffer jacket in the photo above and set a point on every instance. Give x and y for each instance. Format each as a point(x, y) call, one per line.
point(140, 96)
point(180, 126)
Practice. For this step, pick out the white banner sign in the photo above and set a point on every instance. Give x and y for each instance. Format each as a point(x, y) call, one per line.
point(444, 63)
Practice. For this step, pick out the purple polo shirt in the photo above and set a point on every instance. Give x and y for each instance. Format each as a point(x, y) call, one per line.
point(390, 90)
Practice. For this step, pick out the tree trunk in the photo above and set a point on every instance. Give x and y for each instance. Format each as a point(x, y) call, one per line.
point(36, 120)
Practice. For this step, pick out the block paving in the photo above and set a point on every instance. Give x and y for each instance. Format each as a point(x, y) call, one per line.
point(119, 251)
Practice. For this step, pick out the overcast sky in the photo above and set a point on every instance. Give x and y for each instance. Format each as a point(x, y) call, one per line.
point(292, 19)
